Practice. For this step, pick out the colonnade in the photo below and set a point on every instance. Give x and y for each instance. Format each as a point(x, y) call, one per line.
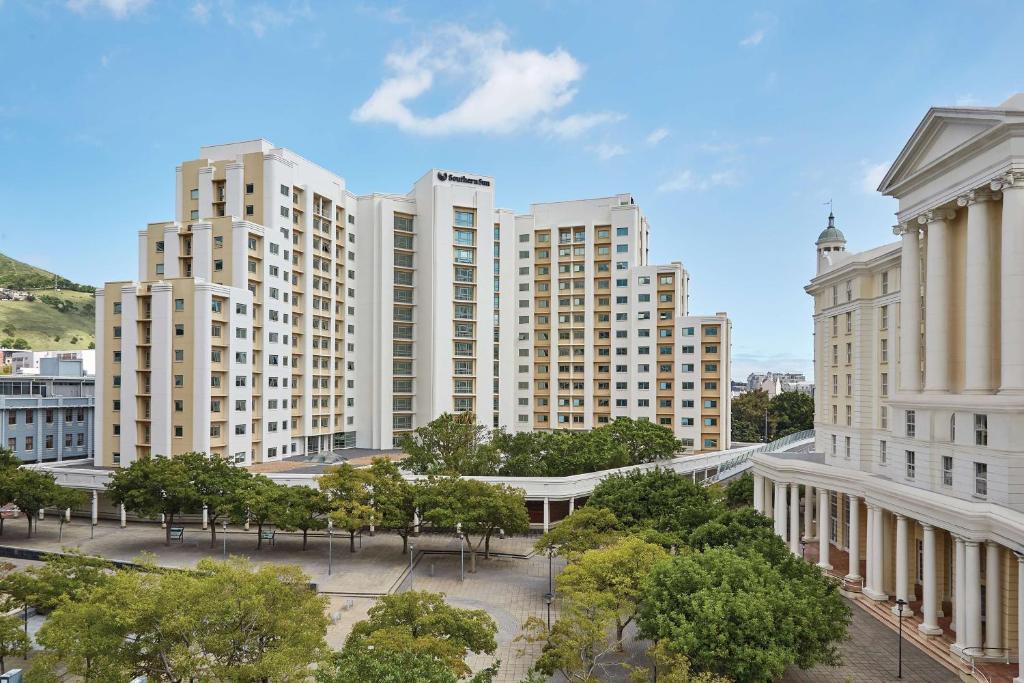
point(916, 561)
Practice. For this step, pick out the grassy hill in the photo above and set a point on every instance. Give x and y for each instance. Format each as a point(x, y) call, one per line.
point(61, 319)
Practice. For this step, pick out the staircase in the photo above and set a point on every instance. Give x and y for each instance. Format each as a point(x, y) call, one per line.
point(936, 647)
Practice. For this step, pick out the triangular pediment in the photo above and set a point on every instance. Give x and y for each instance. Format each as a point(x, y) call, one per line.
point(940, 134)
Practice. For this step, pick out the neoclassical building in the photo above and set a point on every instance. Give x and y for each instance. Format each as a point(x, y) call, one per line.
point(915, 490)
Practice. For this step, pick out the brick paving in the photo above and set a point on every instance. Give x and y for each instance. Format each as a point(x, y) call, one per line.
point(870, 656)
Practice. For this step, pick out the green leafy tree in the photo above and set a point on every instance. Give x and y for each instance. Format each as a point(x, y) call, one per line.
point(226, 621)
point(258, 500)
point(667, 504)
point(748, 416)
point(216, 481)
point(154, 486)
point(31, 491)
point(585, 529)
point(610, 578)
point(667, 666)
point(348, 491)
point(791, 412)
point(740, 491)
point(13, 640)
point(452, 444)
point(384, 665)
point(394, 499)
point(642, 440)
point(65, 576)
point(736, 615)
point(577, 646)
point(479, 508)
point(520, 453)
point(302, 508)
point(422, 623)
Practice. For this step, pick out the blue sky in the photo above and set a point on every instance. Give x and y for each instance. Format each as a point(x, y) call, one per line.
point(731, 123)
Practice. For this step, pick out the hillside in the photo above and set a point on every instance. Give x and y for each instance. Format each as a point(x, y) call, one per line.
point(62, 319)
point(18, 275)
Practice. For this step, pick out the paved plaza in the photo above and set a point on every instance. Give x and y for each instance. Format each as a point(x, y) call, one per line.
point(509, 587)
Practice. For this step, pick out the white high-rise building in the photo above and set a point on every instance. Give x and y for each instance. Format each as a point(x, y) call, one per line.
point(279, 314)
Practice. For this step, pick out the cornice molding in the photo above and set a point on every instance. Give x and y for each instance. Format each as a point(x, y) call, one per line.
point(936, 215)
point(978, 196)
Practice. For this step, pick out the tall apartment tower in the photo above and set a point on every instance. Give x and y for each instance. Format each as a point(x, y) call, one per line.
point(244, 336)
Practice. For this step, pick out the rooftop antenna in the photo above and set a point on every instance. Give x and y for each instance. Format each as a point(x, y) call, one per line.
point(829, 202)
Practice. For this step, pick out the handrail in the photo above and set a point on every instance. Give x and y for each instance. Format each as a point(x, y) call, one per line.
point(969, 655)
point(772, 447)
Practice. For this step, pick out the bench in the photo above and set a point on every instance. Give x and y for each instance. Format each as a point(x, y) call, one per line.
point(268, 536)
point(178, 534)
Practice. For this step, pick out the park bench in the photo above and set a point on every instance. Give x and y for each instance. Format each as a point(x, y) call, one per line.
point(268, 535)
point(178, 534)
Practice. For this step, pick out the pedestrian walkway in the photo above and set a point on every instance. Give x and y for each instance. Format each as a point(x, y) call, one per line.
point(870, 655)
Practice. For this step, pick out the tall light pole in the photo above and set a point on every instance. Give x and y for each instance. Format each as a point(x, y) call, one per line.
point(462, 557)
point(224, 534)
point(549, 597)
point(412, 548)
point(330, 548)
point(900, 604)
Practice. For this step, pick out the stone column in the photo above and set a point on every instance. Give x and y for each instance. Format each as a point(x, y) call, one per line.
point(902, 564)
point(993, 597)
point(1020, 619)
point(780, 510)
point(938, 293)
point(854, 573)
point(978, 293)
point(572, 504)
point(794, 518)
point(972, 594)
point(758, 493)
point(1011, 313)
point(823, 530)
point(547, 514)
point(958, 593)
point(910, 307)
point(929, 584)
point(769, 498)
point(874, 588)
point(95, 506)
point(808, 513)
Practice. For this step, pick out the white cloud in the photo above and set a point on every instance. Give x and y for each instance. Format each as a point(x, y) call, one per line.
point(575, 125)
point(657, 135)
point(967, 101)
point(118, 8)
point(754, 39)
point(508, 88)
point(200, 12)
point(872, 175)
point(606, 151)
point(689, 181)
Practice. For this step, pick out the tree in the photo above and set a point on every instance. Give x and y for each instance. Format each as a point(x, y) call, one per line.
point(610, 579)
point(66, 576)
point(791, 412)
point(520, 453)
point(585, 529)
point(479, 507)
point(216, 481)
point(740, 491)
point(422, 623)
point(226, 621)
point(749, 411)
point(671, 505)
point(642, 440)
point(302, 508)
point(452, 444)
point(31, 491)
point(394, 499)
point(348, 491)
point(736, 615)
point(667, 666)
point(384, 665)
point(154, 486)
point(576, 646)
point(13, 640)
point(258, 500)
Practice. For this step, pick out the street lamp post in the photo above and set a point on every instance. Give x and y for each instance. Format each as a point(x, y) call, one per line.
point(330, 548)
point(548, 598)
point(550, 595)
point(462, 557)
point(900, 604)
point(224, 534)
point(412, 548)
